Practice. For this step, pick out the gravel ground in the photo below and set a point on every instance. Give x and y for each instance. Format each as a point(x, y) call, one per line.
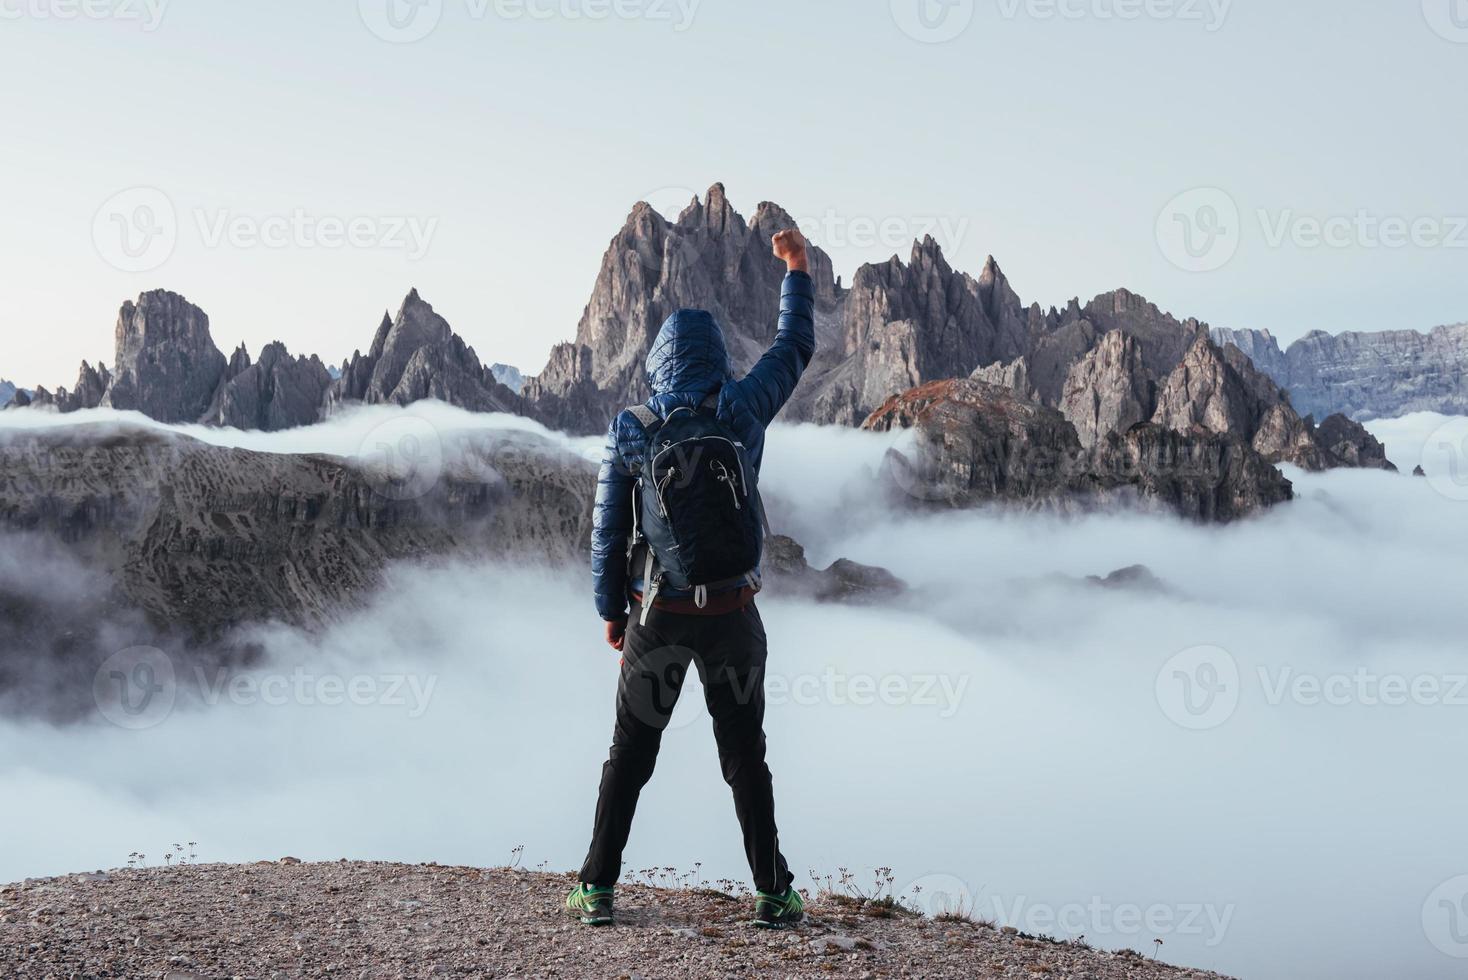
point(371, 920)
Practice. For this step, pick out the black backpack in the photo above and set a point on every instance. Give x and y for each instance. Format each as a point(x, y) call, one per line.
point(696, 511)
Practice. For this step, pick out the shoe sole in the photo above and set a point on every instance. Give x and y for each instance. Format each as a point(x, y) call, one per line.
point(590, 920)
point(767, 924)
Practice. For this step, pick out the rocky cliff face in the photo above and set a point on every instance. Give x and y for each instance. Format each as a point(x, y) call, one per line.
point(7, 392)
point(1219, 390)
point(204, 536)
point(169, 369)
point(167, 366)
point(1365, 375)
point(900, 325)
point(417, 355)
point(277, 392)
point(974, 443)
point(709, 258)
point(1109, 389)
point(91, 384)
point(1105, 365)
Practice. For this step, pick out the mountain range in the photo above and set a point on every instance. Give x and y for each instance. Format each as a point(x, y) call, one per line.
point(896, 326)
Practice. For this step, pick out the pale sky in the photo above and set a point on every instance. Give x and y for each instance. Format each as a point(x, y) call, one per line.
point(507, 144)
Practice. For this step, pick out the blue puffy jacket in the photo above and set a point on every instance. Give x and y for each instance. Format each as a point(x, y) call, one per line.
point(687, 361)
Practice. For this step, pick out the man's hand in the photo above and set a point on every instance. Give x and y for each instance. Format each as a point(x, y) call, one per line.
point(616, 633)
point(789, 245)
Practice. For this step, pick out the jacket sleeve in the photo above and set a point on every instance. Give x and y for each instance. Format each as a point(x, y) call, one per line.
point(770, 383)
point(611, 525)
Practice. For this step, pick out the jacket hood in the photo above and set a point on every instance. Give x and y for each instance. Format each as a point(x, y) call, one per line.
point(688, 355)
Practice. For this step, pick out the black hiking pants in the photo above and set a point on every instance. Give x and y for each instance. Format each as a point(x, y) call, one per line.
point(728, 650)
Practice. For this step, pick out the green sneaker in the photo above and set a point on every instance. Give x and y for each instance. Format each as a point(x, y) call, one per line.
point(592, 905)
point(778, 911)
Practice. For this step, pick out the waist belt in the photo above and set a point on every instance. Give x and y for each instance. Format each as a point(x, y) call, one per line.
point(715, 605)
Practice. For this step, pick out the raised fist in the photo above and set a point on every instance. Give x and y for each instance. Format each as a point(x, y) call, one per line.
point(789, 245)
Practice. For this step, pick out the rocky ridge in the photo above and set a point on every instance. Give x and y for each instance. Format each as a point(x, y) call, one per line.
point(971, 443)
point(360, 918)
point(1365, 375)
point(1106, 365)
point(120, 536)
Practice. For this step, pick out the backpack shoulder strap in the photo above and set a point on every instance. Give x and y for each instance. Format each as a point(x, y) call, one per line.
point(643, 414)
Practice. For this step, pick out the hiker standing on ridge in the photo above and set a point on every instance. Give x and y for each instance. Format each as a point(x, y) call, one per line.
point(677, 533)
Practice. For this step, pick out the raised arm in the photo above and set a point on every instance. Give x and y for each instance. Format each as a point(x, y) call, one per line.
point(770, 383)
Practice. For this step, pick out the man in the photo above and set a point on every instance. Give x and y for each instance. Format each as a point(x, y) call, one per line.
point(714, 626)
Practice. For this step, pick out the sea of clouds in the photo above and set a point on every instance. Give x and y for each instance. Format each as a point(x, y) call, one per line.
point(1254, 760)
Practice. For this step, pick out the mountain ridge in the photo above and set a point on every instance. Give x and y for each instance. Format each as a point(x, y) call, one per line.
point(897, 325)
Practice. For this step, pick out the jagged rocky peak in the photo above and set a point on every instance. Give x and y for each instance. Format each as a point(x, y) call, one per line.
point(1220, 390)
point(417, 355)
point(1108, 390)
point(277, 392)
point(908, 323)
point(166, 364)
point(1206, 392)
point(709, 258)
point(1014, 375)
point(1347, 443)
point(973, 443)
